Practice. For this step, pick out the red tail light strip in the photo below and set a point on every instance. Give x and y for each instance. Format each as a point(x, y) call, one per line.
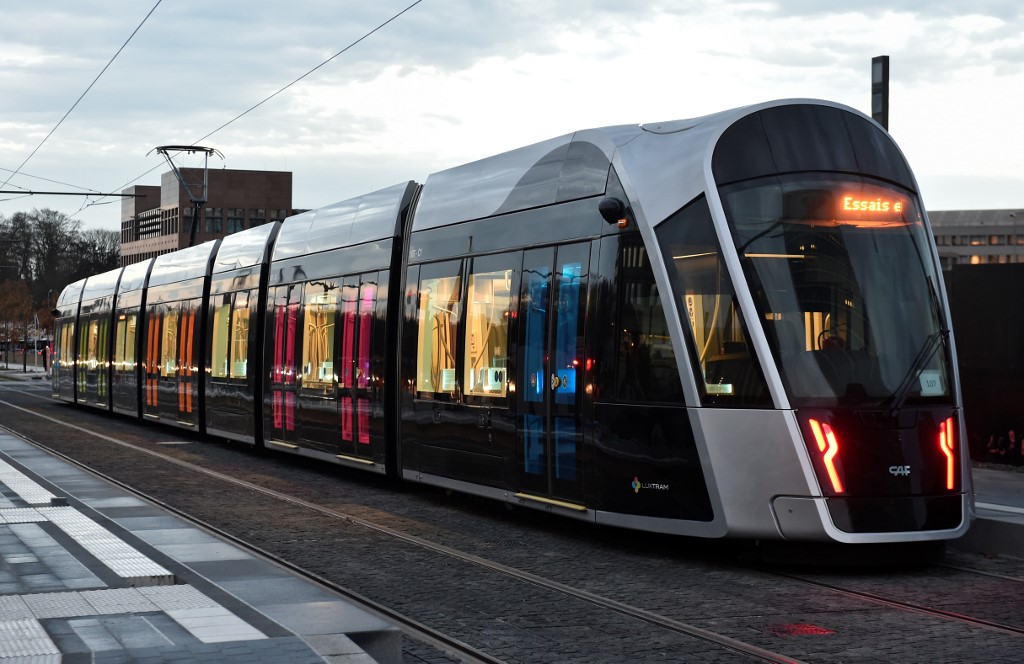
point(828, 444)
point(946, 444)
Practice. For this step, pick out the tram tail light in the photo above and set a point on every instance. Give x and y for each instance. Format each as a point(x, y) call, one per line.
point(946, 445)
point(828, 445)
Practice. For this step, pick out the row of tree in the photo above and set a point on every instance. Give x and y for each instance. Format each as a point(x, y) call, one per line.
point(41, 252)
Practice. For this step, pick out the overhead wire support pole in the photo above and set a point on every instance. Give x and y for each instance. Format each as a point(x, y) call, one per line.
point(198, 201)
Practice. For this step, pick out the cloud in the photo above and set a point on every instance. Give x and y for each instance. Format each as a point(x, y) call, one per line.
point(455, 80)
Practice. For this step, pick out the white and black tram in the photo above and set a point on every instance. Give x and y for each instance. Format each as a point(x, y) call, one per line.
point(732, 326)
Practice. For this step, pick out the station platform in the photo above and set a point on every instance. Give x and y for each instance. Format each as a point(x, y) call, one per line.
point(998, 528)
point(91, 573)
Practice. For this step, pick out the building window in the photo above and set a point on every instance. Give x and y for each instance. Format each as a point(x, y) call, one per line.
point(257, 217)
point(214, 220)
point(278, 215)
point(236, 220)
point(996, 239)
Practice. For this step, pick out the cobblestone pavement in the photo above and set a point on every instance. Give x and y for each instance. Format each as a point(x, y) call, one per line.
point(705, 584)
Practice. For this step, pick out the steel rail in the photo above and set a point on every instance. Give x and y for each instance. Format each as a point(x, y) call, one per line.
point(592, 598)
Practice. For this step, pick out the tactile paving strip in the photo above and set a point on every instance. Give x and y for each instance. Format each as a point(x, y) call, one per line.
point(12, 607)
point(173, 598)
point(20, 515)
point(16, 481)
point(58, 605)
point(27, 638)
point(118, 600)
point(128, 563)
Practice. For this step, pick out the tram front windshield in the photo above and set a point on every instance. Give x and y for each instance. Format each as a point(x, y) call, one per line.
point(846, 288)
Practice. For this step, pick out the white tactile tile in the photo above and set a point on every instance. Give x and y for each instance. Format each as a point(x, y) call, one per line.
point(118, 600)
point(20, 515)
point(173, 598)
point(13, 607)
point(215, 625)
point(58, 605)
point(29, 491)
point(121, 558)
point(27, 639)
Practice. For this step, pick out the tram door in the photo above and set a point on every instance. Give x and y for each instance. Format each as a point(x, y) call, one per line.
point(359, 295)
point(151, 384)
point(282, 332)
point(171, 382)
point(552, 306)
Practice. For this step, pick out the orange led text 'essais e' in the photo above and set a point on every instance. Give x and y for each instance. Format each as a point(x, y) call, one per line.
point(851, 203)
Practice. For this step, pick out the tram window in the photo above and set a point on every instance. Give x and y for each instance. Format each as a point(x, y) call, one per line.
point(169, 333)
point(438, 316)
point(320, 312)
point(221, 334)
point(282, 329)
point(727, 370)
point(367, 300)
point(488, 312)
point(645, 362)
point(124, 343)
point(64, 349)
point(91, 332)
point(240, 336)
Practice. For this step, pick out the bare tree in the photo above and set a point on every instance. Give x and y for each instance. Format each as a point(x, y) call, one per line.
point(45, 250)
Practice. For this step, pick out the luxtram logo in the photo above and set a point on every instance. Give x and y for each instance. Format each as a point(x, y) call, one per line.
point(637, 485)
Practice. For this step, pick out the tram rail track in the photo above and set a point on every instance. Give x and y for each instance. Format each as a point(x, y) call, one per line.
point(649, 617)
point(413, 628)
point(903, 604)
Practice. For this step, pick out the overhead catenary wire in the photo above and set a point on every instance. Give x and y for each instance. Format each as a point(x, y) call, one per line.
point(268, 98)
point(25, 192)
point(82, 96)
point(339, 53)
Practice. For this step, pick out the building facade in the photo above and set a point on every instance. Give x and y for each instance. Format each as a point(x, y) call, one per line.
point(158, 220)
point(978, 237)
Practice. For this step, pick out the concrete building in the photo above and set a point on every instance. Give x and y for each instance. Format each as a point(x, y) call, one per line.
point(978, 237)
point(159, 220)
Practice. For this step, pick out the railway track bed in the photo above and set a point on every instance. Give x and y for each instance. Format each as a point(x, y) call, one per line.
point(521, 586)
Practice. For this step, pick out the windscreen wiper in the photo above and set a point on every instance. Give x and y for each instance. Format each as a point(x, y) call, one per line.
point(924, 356)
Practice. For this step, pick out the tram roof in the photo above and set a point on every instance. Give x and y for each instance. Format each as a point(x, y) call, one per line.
point(665, 161)
point(134, 276)
point(557, 170)
point(71, 295)
point(101, 285)
point(244, 249)
point(183, 264)
point(355, 221)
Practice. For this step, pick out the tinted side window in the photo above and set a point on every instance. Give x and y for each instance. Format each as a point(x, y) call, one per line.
point(728, 373)
point(439, 312)
point(489, 313)
point(646, 368)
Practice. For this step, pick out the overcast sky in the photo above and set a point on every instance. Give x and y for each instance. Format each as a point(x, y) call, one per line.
point(451, 81)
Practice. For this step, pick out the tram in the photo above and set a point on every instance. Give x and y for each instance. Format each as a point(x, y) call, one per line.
point(730, 326)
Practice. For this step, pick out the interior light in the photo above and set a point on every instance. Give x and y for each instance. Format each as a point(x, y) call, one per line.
point(946, 442)
point(752, 255)
point(828, 445)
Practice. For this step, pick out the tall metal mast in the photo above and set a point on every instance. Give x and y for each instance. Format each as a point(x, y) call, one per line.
point(198, 201)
